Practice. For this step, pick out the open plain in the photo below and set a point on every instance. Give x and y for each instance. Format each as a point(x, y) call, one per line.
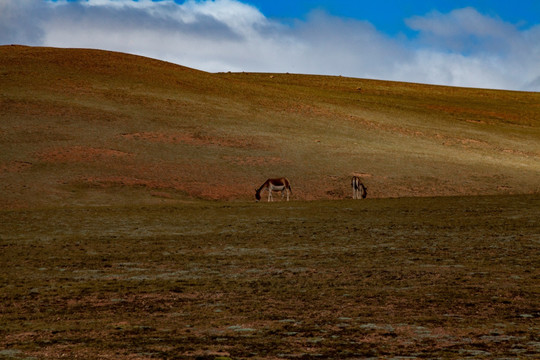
point(433, 278)
point(128, 227)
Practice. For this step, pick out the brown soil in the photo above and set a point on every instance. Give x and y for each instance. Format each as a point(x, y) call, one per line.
point(192, 139)
point(437, 278)
point(79, 154)
point(89, 127)
point(15, 166)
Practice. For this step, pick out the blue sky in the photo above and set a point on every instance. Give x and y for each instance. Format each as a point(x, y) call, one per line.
point(475, 43)
point(389, 15)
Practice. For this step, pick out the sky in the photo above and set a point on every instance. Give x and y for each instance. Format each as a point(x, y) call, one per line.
point(475, 43)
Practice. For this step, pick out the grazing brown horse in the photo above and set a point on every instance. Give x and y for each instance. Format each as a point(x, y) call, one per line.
point(277, 184)
point(358, 188)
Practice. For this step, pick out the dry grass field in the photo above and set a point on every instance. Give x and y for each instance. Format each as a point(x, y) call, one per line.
point(433, 278)
point(128, 227)
point(88, 127)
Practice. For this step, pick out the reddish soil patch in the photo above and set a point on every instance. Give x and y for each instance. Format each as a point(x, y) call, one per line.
point(255, 160)
point(79, 154)
point(197, 189)
point(192, 139)
point(309, 110)
point(362, 175)
point(113, 181)
point(483, 114)
point(521, 153)
point(14, 166)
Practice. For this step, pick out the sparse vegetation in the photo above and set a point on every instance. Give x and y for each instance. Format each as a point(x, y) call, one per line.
point(156, 132)
point(111, 248)
point(428, 277)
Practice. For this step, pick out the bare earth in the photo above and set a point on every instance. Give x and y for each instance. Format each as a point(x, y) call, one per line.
point(433, 278)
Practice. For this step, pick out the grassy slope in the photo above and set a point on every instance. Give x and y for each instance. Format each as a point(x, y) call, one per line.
point(93, 127)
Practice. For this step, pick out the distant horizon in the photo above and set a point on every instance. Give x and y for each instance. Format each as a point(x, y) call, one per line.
point(475, 44)
point(264, 72)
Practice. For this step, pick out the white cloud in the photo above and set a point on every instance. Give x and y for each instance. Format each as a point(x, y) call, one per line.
point(466, 31)
point(477, 50)
point(20, 21)
point(462, 48)
point(460, 22)
point(442, 68)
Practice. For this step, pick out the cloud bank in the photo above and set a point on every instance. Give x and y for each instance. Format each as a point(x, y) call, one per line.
point(460, 48)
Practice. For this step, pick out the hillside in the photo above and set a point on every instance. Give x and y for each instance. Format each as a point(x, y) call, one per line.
point(89, 127)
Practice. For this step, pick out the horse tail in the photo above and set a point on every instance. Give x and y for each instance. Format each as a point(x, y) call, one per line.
point(288, 184)
point(364, 191)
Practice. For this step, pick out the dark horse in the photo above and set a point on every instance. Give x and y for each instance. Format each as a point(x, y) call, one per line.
point(358, 188)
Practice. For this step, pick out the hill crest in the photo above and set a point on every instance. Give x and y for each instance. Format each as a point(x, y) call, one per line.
point(91, 127)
